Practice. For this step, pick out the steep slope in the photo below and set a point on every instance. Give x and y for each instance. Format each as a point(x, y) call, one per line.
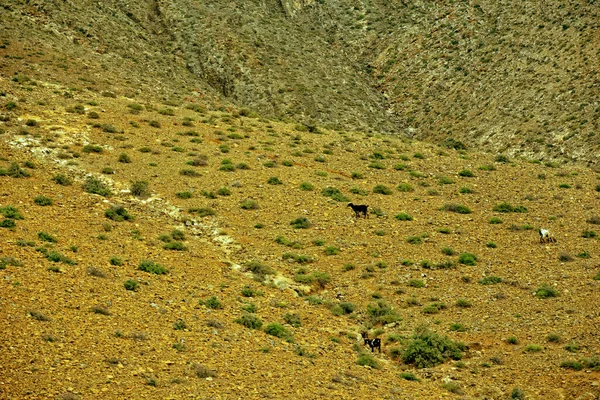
point(250, 219)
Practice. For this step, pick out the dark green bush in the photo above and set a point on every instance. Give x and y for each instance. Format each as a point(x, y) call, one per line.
point(368, 360)
point(382, 189)
point(490, 280)
point(259, 270)
point(292, 319)
point(139, 189)
point(301, 223)
point(428, 349)
point(545, 291)
point(467, 259)
point(278, 330)
point(42, 200)
point(96, 186)
point(131, 284)
point(457, 208)
point(62, 180)
point(508, 208)
point(118, 213)
point(152, 267)
point(250, 321)
point(213, 303)
point(46, 237)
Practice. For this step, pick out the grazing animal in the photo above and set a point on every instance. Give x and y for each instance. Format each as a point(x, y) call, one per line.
point(545, 236)
point(372, 343)
point(359, 209)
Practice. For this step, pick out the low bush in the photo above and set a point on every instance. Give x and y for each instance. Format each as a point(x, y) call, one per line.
point(457, 208)
point(96, 186)
point(403, 217)
point(152, 267)
point(118, 213)
point(508, 208)
point(467, 259)
point(428, 349)
point(545, 291)
point(278, 330)
point(42, 200)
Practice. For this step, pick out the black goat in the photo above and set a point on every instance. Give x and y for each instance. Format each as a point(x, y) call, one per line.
point(359, 209)
point(372, 343)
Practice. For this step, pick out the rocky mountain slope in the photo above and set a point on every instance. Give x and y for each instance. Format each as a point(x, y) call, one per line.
point(516, 78)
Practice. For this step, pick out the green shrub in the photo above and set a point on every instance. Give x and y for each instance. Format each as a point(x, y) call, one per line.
point(46, 237)
point(463, 303)
point(444, 180)
point(588, 234)
point(377, 165)
point(458, 327)
point(204, 212)
point(508, 208)
point(224, 191)
point(42, 200)
point(249, 204)
point(15, 171)
point(292, 319)
point(428, 349)
point(247, 291)
point(545, 291)
point(448, 251)
point(532, 348)
point(92, 148)
point(405, 187)
point(382, 312)
point(118, 213)
point(301, 223)
point(457, 208)
point(96, 186)
point(467, 259)
point(495, 221)
point(334, 194)
point(131, 284)
point(416, 283)
point(403, 217)
point(332, 250)
point(152, 267)
point(184, 195)
point(278, 330)
point(490, 280)
point(357, 175)
point(368, 360)
point(213, 303)
point(414, 240)
point(409, 376)
point(572, 364)
point(62, 180)
point(306, 186)
point(175, 246)
point(259, 270)
point(382, 189)
point(491, 245)
point(192, 173)
point(512, 340)
point(274, 181)
point(466, 173)
point(116, 261)
point(465, 190)
point(139, 189)
point(7, 223)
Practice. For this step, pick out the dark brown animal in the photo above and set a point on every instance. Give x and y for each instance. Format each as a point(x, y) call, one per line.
point(372, 343)
point(359, 210)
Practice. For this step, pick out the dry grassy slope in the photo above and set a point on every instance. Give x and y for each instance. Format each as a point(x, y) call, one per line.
point(129, 353)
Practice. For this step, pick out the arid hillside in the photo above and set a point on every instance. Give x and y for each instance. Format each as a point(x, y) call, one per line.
point(185, 248)
point(516, 78)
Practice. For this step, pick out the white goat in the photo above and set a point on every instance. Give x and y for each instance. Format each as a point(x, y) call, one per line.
point(545, 236)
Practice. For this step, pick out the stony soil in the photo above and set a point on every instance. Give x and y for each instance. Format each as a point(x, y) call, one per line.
point(72, 330)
